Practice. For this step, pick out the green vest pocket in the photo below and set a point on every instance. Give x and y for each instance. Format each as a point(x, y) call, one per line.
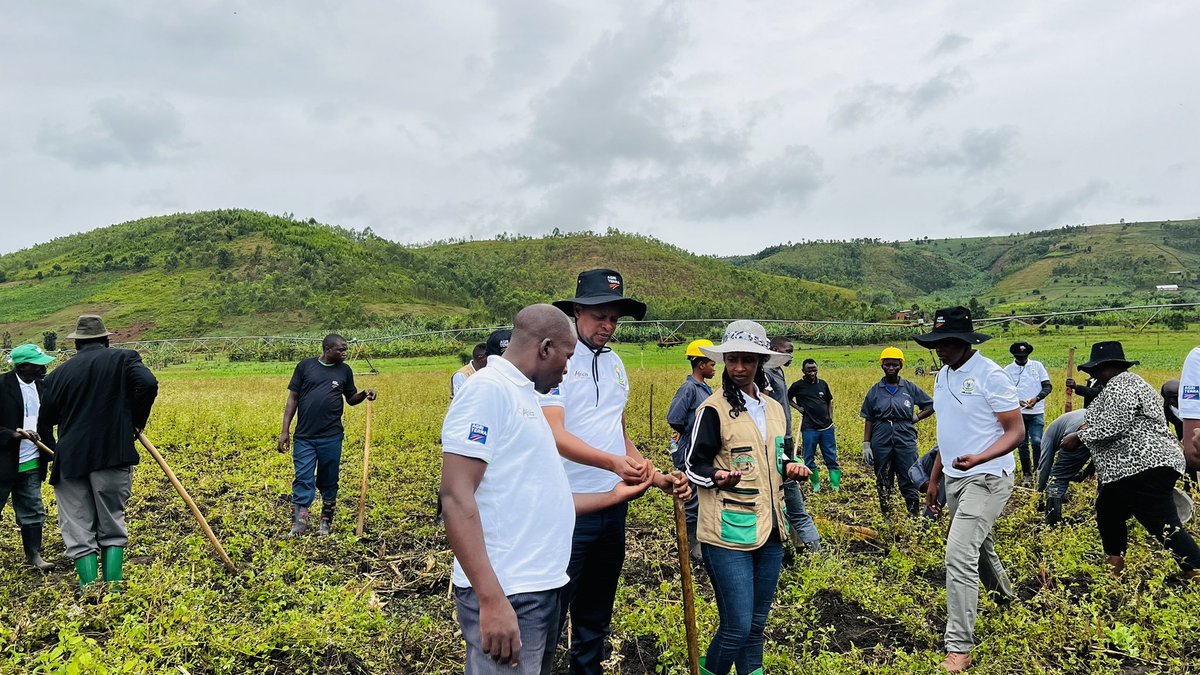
point(739, 527)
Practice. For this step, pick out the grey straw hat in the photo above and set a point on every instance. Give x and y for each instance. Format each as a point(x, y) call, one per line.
point(746, 337)
point(89, 326)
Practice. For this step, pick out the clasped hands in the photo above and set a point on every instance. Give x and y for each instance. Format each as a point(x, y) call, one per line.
point(638, 475)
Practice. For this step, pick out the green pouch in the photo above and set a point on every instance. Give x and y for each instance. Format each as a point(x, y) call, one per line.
point(739, 528)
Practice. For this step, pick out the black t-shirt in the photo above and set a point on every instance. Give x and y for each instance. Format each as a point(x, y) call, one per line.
point(321, 389)
point(814, 400)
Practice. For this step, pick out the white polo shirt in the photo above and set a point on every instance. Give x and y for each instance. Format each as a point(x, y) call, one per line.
point(1189, 387)
point(1028, 381)
point(593, 395)
point(525, 504)
point(967, 401)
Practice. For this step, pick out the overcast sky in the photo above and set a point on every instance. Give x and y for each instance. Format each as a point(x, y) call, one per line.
point(722, 127)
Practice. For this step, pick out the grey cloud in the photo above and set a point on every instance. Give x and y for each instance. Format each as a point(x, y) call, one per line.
point(788, 180)
point(871, 100)
point(526, 32)
point(949, 44)
point(119, 132)
point(1003, 211)
point(978, 150)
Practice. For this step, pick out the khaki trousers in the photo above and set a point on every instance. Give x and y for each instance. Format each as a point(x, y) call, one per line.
point(975, 503)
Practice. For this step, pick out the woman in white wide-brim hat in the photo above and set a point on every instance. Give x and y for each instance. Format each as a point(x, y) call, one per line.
point(736, 456)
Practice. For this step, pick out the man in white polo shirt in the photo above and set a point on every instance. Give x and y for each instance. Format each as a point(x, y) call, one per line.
point(587, 414)
point(1189, 408)
point(978, 425)
point(1032, 383)
point(508, 507)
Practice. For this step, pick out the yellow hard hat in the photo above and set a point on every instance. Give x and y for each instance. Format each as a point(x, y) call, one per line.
point(694, 348)
point(891, 353)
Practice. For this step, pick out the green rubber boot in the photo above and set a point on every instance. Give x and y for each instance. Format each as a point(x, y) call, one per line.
point(114, 558)
point(703, 670)
point(835, 479)
point(87, 569)
point(815, 480)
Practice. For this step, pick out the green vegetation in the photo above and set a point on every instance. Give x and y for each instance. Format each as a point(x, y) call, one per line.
point(378, 604)
point(242, 272)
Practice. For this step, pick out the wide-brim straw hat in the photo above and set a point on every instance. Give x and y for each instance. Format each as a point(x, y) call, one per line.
point(746, 337)
point(89, 326)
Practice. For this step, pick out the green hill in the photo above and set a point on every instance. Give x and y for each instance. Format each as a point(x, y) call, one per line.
point(1066, 268)
point(244, 273)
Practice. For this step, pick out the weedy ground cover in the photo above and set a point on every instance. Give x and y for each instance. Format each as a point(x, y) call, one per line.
point(379, 604)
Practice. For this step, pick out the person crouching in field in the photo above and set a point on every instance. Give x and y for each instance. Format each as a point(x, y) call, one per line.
point(100, 399)
point(22, 465)
point(736, 456)
point(509, 510)
point(1138, 460)
point(978, 425)
point(316, 392)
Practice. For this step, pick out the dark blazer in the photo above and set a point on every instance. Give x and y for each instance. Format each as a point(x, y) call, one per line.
point(12, 417)
point(98, 399)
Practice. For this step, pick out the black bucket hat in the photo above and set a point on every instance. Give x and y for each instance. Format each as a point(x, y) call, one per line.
point(497, 342)
point(1018, 348)
point(600, 287)
point(1107, 352)
point(952, 323)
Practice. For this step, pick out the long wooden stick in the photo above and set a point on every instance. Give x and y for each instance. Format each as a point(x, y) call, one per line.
point(42, 446)
point(689, 598)
point(362, 491)
point(1069, 404)
point(208, 533)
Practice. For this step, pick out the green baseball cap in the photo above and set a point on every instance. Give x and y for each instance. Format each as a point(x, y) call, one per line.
point(29, 354)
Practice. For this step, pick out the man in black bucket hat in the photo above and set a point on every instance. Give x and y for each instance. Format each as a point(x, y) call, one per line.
point(99, 399)
point(1032, 382)
point(587, 415)
point(978, 425)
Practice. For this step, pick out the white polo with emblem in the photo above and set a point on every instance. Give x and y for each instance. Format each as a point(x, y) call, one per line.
point(1028, 382)
point(967, 401)
point(593, 395)
point(525, 504)
point(1189, 387)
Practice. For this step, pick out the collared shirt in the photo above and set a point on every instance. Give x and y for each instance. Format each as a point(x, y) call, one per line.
point(593, 395)
point(967, 401)
point(525, 504)
point(1189, 387)
point(29, 394)
point(1028, 381)
point(891, 413)
point(681, 415)
point(1126, 431)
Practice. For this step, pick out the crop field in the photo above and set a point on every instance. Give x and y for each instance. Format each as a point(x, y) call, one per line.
point(379, 604)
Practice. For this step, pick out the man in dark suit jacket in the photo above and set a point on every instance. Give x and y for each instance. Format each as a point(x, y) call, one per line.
point(22, 464)
point(99, 399)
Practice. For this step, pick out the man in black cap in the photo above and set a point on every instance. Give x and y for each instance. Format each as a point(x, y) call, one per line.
point(587, 414)
point(316, 390)
point(100, 399)
point(1033, 386)
point(978, 425)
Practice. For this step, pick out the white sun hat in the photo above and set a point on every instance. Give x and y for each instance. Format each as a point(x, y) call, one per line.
point(747, 337)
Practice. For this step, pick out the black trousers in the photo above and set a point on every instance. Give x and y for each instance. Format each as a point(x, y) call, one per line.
point(597, 555)
point(1146, 496)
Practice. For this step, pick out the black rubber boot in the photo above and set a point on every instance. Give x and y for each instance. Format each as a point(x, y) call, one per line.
point(326, 525)
point(31, 538)
point(299, 521)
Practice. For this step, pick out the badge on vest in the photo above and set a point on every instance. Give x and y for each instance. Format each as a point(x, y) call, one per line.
point(743, 461)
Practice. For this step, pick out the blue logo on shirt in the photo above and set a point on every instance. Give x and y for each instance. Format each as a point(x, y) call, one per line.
point(1191, 393)
point(478, 434)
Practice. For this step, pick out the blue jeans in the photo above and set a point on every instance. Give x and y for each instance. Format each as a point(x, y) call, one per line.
point(319, 456)
point(798, 518)
point(828, 442)
point(597, 555)
point(744, 583)
point(1034, 425)
point(537, 618)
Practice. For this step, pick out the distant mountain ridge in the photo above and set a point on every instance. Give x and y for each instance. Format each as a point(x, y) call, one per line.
point(235, 272)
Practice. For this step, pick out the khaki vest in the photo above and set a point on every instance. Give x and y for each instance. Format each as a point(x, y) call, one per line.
point(742, 517)
point(467, 371)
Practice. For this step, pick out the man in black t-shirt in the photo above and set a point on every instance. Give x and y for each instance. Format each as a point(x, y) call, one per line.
point(811, 396)
point(317, 390)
